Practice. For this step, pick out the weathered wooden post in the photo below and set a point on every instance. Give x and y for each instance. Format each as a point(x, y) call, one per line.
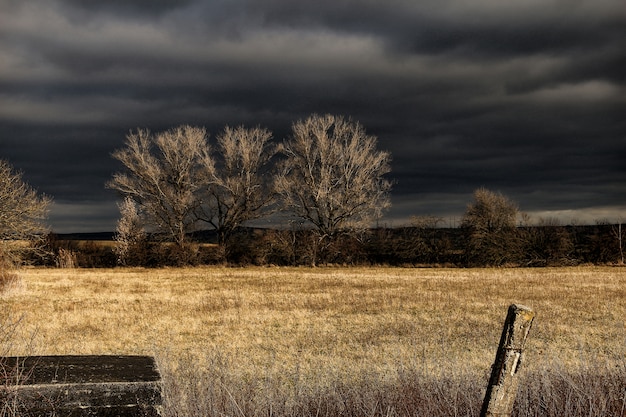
point(77, 386)
point(504, 380)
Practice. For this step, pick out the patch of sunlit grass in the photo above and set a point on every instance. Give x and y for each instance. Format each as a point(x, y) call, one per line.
point(360, 314)
point(312, 330)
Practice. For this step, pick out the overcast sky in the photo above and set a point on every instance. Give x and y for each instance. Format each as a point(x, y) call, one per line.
point(526, 97)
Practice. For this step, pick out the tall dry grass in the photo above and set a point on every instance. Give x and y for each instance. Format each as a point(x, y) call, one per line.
point(339, 341)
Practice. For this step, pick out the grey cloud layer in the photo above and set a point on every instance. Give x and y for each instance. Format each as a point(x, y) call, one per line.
point(527, 97)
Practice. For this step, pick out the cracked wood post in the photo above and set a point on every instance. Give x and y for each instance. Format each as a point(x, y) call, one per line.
point(504, 380)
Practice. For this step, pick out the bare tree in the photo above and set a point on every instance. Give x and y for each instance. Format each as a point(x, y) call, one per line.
point(427, 245)
point(23, 213)
point(490, 212)
point(547, 242)
point(239, 185)
point(130, 236)
point(490, 221)
point(164, 174)
point(333, 175)
point(617, 231)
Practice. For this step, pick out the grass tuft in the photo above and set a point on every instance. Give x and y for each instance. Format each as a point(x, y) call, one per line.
point(9, 281)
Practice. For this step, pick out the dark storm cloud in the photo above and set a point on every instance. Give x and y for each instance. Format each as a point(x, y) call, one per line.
point(121, 7)
point(525, 97)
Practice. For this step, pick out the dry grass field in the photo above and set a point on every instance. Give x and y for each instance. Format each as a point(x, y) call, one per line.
point(335, 341)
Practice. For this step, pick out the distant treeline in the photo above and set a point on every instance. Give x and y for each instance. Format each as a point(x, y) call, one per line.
point(532, 246)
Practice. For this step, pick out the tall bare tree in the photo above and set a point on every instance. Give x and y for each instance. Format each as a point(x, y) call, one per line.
point(164, 175)
point(333, 176)
point(130, 235)
point(238, 183)
point(490, 221)
point(23, 212)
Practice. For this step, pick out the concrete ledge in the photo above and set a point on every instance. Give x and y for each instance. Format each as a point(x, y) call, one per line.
point(122, 386)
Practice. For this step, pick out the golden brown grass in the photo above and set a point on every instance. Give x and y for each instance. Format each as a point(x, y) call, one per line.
point(306, 329)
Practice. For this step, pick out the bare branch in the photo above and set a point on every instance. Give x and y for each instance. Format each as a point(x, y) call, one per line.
point(23, 213)
point(241, 189)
